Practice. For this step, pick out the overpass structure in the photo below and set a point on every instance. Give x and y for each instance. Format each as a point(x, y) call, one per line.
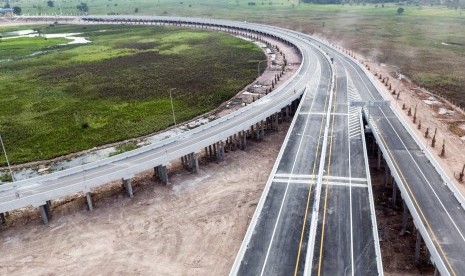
point(316, 215)
point(325, 151)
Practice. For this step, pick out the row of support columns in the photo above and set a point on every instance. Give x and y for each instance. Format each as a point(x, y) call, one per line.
point(191, 161)
point(406, 216)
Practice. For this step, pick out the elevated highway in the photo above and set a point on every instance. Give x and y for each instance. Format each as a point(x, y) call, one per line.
point(316, 214)
point(318, 162)
point(433, 201)
point(40, 190)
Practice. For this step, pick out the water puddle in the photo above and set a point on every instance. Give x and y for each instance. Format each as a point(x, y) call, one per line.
point(74, 37)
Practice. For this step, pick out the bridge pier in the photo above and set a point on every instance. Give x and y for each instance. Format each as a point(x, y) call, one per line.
point(276, 122)
point(257, 131)
point(195, 162)
point(404, 218)
point(2, 220)
point(286, 113)
point(243, 137)
point(220, 151)
point(262, 131)
point(44, 214)
point(418, 247)
point(128, 187)
point(386, 175)
point(162, 173)
point(394, 193)
point(378, 164)
point(89, 201)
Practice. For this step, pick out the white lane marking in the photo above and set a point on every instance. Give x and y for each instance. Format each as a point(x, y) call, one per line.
point(349, 122)
point(323, 114)
point(296, 181)
point(280, 175)
point(330, 177)
point(414, 161)
point(330, 183)
point(287, 188)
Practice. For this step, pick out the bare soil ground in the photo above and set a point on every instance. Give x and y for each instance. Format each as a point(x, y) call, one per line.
point(450, 127)
point(193, 227)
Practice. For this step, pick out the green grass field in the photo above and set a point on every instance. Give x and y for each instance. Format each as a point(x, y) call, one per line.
point(78, 97)
point(427, 43)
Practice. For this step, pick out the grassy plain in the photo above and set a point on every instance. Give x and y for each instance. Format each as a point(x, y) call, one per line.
point(77, 97)
point(427, 43)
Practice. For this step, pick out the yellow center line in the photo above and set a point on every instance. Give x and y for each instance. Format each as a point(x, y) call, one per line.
point(309, 195)
point(418, 206)
point(327, 184)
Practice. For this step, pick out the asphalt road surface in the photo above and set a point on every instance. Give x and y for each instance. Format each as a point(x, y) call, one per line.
point(439, 210)
point(344, 243)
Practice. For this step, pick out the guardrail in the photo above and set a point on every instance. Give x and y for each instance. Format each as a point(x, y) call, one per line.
point(379, 262)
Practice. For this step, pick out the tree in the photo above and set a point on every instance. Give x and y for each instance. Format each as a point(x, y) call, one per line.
point(400, 10)
point(136, 10)
point(17, 10)
point(83, 7)
point(50, 3)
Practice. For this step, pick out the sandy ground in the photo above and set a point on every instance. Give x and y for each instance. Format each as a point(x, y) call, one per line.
point(193, 227)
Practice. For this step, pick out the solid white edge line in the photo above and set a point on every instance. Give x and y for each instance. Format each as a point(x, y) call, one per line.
point(350, 184)
point(379, 260)
point(292, 170)
point(251, 228)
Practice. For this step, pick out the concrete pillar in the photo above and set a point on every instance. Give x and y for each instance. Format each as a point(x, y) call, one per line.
point(276, 122)
point(378, 164)
point(128, 187)
point(243, 140)
point(386, 174)
point(184, 161)
point(404, 217)
point(89, 201)
point(417, 247)
point(43, 213)
point(394, 193)
point(211, 151)
point(195, 162)
point(287, 114)
point(436, 271)
point(188, 162)
point(163, 174)
point(257, 134)
point(2, 218)
point(222, 151)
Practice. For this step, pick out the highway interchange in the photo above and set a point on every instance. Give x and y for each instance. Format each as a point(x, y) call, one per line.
point(323, 168)
point(315, 216)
